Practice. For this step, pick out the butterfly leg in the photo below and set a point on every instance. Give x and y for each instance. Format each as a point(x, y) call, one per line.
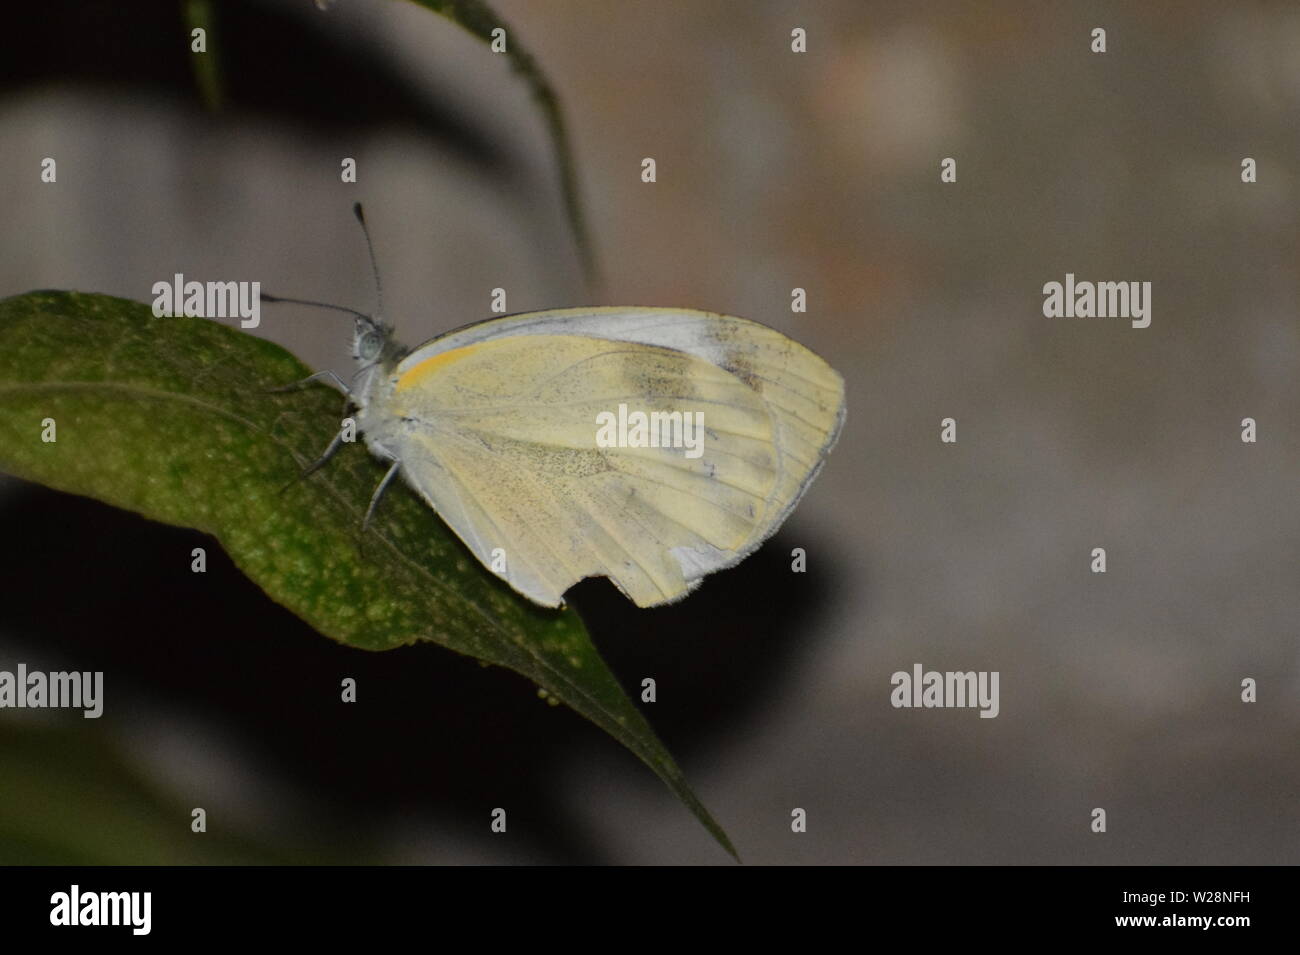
point(327, 375)
point(379, 493)
point(335, 443)
point(333, 449)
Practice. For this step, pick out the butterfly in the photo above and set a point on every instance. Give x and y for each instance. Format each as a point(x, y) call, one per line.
point(652, 446)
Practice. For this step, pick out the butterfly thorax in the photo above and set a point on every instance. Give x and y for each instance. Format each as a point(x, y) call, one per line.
point(377, 356)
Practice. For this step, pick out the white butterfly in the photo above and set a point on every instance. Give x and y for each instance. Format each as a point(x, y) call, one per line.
point(504, 427)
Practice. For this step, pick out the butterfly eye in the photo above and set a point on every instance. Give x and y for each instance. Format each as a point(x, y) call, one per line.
point(368, 347)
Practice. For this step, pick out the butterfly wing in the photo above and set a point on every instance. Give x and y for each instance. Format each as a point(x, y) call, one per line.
point(500, 435)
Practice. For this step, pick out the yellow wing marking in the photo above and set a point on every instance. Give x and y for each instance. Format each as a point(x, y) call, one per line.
point(417, 373)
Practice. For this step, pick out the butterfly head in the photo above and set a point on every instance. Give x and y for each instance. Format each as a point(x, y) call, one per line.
point(372, 342)
point(367, 340)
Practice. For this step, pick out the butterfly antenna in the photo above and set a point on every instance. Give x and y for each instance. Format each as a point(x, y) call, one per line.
point(374, 264)
point(268, 297)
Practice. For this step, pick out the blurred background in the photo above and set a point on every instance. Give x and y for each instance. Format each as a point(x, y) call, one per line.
point(775, 170)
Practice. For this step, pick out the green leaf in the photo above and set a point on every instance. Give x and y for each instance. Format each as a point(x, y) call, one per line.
point(171, 417)
point(479, 19)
